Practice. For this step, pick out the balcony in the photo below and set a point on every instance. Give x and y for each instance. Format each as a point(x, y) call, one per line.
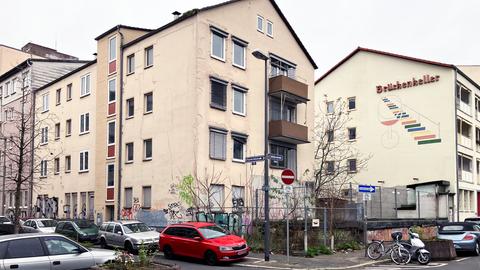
point(285, 131)
point(464, 107)
point(291, 89)
point(464, 141)
point(465, 176)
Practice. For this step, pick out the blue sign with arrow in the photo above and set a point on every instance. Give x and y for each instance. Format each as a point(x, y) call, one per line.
point(366, 188)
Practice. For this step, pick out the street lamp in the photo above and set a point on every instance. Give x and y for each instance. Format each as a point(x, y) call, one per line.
point(266, 185)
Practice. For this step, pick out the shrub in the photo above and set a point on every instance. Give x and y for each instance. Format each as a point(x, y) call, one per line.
point(314, 251)
point(348, 245)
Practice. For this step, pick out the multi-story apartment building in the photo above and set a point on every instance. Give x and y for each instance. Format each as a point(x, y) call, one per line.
point(17, 87)
point(187, 99)
point(420, 121)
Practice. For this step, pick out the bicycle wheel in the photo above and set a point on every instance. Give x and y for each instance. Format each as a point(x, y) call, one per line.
point(375, 250)
point(400, 255)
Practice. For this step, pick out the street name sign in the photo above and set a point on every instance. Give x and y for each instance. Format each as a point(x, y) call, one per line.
point(275, 157)
point(255, 158)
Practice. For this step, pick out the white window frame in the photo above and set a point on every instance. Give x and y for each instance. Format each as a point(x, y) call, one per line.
point(244, 46)
point(84, 90)
point(82, 158)
point(69, 91)
point(145, 103)
point(348, 103)
point(348, 133)
point(14, 86)
point(145, 158)
point(266, 28)
point(115, 88)
point(127, 152)
point(44, 136)
point(56, 165)
point(146, 65)
point(106, 174)
point(220, 34)
point(43, 168)
point(57, 135)
point(68, 165)
point(356, 165)
point(68, 132)
point(263, 20)
point(45, 103)
point(244, 152)
point(129, 60)
point(110, 59)
point(86, 129)
point(333, 107)
point(128, 108)
point(244, 93)
point(108, 132)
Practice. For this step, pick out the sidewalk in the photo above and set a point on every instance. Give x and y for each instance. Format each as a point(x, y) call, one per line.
point(350, 260)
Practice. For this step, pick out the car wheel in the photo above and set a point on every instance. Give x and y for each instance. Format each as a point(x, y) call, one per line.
point(168, 252)
point(210, 258)
point(103, 243)
point(476, 251)
point(129, 247)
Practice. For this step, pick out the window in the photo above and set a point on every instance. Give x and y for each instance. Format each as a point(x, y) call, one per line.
point(352, 105)
point(60, 246)
point(148, 100)
point(112, 92)
point(239, 100)
point(352, 165)
point(57, 131)
point(112, 49)
point(58, 96)
point(69, 92)
point(330, 107)
point(330, 136)
point(68, 164)
point(289, 154)
point(149, 57)
point(239, 53)
point(68, 127)
point(111, 133)
point(56, 166)
point(147, 149)
point(288, 112)
point(217, 196)
point(45, 106)
point(466, 200)
point(7, 86)
point(14, 85)
point(128, 197)
point(260, 23)
point(330, 167)
point(352, 133)
point(147, 196)
point(218, 141)
point(43, 168)
point(218, 44)
point(130, 64)
point(269, 28)
point(129, 152)
point(24, 248)
point(280, 66)
point(84, 123)
point(239, 141)
point(84, 161)
point(130, 107)
point(110, 175)
point(218, 94)
point(85, 85)
point(44, 135)
point(238, 196)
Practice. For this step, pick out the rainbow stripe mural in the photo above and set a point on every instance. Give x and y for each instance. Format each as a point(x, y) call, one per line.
point(413, 127)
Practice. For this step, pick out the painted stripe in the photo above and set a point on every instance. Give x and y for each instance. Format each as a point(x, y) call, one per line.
point(421, 133)
point(424, 137)
point(409, 122)
point(413, 125)
point(416, 129)
point(288, 177)
point(396, 111)
point(389, 122)
point(430, 141)
point(405, 116)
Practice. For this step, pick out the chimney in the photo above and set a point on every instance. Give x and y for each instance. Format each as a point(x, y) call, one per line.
point(176, 15)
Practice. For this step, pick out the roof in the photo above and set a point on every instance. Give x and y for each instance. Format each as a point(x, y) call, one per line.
point(24, 235)
point(121, 26)
point(124, 221)
point(360, 49)
point(68, 74)
point(194, 224)
point(23, 64)
point(193, 12)
point(438, 183)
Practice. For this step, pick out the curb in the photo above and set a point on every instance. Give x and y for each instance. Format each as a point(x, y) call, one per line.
point(353, 266)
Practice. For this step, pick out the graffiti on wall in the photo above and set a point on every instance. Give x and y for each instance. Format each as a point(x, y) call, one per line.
point(174, 211)
point(47, 207)
point(131, 213)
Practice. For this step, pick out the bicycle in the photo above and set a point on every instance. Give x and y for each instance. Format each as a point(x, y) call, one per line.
point(398, 253)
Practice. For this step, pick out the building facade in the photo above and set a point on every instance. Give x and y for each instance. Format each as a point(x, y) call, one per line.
point(419, 121)
point(187, 99)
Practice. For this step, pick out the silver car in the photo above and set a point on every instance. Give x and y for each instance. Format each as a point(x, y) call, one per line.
point(39, 251)
point(45, 225)
point(128, 234)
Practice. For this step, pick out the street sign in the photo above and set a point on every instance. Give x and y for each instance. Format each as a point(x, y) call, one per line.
point(288, 177)
point(254, 158)
point(275, 157)
point(288, 189)
point(366, 188)
point(315, 222)
point(367, 196)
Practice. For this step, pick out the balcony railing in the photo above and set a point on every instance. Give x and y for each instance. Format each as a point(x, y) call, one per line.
point(464, 107)
point(292, 89)
point(288, 132)
point(464, 141)
point(465, 176)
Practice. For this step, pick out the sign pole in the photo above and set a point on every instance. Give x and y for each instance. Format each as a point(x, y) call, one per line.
point(288, 231)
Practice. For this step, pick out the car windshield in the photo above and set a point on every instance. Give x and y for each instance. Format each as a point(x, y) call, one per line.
point(84, 224)
point(135, 228)
point(47, 223)
point(210, 232)
point(453, 228)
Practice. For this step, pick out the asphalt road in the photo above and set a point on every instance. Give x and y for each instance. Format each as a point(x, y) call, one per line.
point(461, 263)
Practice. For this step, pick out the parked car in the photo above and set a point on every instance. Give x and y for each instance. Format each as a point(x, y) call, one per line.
point(10, 229)
point(5, 220)
point(42, 224)
point(128, 234)
point(465, 235)
point(474, 220)
point(80, 230)
point(41, 251)
point(202, 240)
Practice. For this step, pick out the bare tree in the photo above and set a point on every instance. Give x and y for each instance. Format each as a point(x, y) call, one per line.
point(21, 130)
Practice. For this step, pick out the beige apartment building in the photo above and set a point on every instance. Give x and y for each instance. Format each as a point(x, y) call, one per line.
point(418, 119)
point(184, 99)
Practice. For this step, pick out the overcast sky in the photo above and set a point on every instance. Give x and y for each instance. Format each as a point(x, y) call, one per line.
point(439, 30)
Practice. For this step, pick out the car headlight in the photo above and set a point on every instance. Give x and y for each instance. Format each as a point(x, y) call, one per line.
point(226, 248)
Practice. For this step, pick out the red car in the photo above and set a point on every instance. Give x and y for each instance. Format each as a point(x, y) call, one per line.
point(203, 241)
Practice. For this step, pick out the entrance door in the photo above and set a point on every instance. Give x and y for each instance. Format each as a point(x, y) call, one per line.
point(110, 213)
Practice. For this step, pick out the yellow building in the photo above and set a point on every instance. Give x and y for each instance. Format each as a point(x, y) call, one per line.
point(186, 99)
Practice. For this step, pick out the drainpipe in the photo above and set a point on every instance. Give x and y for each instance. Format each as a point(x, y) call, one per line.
point(456, 148)
point(120, 129)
